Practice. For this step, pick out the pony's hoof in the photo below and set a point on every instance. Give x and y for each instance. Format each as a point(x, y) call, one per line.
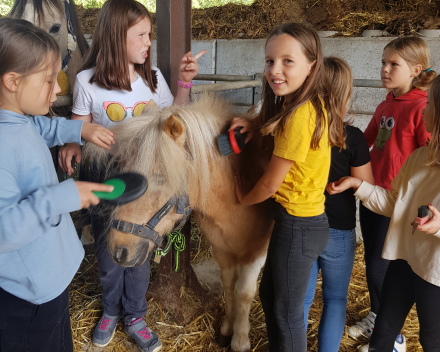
point(223, 341)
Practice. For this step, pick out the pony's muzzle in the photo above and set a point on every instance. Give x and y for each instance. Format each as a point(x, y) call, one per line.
point(121, 255)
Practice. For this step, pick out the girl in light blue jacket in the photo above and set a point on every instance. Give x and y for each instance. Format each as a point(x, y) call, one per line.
point(39, 248)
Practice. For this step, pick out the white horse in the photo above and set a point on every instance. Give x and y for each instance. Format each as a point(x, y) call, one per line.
point(60, 19)
point(175, 149)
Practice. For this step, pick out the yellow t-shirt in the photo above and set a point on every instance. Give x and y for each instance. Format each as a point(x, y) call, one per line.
point(302, 191)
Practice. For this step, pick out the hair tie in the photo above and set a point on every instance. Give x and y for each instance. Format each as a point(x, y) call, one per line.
point(428, 69)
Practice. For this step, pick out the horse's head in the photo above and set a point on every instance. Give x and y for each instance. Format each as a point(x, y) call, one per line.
point(60, 19)
point(139, 226)
point(168, 147)
point(173, 148)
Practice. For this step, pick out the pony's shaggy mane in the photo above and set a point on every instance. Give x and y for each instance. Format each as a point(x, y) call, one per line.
point(143, 146)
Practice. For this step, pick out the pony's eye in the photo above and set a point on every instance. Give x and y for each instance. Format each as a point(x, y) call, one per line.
point(54, 29)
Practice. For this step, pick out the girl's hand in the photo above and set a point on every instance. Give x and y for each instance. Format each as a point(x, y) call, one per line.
point(188, 66)
point(101, 136)
point(247, 126)
point(86, 194)
point(239, 187)
point(66, 154)
point(433, 224)
point(343, 184)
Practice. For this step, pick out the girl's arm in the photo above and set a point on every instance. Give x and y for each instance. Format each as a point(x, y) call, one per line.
point(268, 184)
point(188, 70)
point(23, 220)
point(371, 131)
point(91, 132)
point(377, 199)
point(420, 129)
point(86, 118)
point(363, 173)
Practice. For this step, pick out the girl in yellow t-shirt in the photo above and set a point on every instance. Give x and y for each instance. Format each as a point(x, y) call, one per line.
point(296, 101)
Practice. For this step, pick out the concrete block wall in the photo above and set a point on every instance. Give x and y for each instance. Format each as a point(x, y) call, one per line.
point(246, 57)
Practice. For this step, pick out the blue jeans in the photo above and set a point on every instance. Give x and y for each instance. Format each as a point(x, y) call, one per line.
point(336, 264)
point(295, 244)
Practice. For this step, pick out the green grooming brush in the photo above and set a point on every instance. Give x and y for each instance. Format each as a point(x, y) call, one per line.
point(127, 188)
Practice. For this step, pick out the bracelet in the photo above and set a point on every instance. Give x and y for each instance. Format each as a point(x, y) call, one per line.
point(185, 85)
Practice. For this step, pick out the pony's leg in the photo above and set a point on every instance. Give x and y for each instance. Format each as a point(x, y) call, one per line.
point(229, 278)
point(245, 289)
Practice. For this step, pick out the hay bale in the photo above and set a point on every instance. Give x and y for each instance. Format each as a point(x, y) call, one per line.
point(349, 18)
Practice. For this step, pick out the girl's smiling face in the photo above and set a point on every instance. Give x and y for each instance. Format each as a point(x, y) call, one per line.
point(286, 65)
point(138, 41)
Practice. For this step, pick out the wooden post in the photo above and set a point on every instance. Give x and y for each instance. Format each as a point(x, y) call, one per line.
point(173, 25)
point(173, 41)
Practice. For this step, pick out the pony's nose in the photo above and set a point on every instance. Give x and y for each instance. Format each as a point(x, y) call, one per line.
point(121, 255)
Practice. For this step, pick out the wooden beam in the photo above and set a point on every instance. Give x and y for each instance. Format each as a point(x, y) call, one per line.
point(173, 26)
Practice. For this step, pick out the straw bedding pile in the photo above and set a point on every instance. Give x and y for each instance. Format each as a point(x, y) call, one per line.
point(203, 319)
point(348, 17)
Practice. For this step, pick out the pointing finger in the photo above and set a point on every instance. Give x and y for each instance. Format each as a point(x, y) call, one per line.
point(203, 52)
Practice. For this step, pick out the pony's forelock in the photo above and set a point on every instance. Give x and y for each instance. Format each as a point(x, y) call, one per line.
point(143, 146)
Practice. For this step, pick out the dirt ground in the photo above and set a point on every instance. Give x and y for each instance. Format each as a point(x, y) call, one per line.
point(348, 17)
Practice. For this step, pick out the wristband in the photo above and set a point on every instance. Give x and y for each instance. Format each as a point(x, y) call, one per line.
point(185, 85)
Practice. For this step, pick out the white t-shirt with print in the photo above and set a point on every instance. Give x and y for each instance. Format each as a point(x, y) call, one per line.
point(108, 107)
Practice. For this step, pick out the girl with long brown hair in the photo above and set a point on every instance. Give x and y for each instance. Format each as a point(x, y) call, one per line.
point(295, 112)
point(114, 84)
point(413, 249)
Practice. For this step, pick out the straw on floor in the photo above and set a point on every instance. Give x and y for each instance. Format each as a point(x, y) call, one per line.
point(199, 333)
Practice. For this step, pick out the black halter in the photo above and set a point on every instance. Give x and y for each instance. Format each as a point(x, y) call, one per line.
point(147, 230)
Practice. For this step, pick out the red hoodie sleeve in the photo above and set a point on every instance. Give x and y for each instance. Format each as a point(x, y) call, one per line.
point(371, 131)
point(419, 126)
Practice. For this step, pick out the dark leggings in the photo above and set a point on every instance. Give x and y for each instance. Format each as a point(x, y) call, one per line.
point(295, 244)
point(374, 230)
point(401, 289)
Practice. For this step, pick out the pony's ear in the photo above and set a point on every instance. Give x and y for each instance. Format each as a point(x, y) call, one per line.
point(150, 106)
point(173, 127)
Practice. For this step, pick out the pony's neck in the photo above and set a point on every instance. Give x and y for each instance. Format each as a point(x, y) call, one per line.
point(205, 198)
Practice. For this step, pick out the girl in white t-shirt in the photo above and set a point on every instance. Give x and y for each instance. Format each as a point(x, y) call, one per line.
point(114, 84)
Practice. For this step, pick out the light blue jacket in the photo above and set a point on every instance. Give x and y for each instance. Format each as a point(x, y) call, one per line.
point(39, 248)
